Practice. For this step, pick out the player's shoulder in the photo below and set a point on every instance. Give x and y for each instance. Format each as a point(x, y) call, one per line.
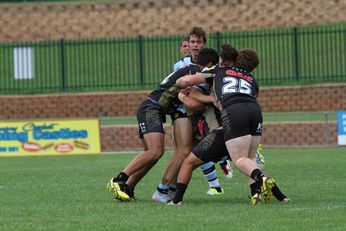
point(210, 69)
point(187, 59)
point(182, 63)
point(178, 64)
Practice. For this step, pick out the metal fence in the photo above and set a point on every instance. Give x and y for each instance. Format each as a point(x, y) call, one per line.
point(287, 56)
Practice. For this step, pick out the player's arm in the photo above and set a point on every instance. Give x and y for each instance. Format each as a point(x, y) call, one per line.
point(189, 80)
point(191, 103)
point(198, 78)
point(201, 97)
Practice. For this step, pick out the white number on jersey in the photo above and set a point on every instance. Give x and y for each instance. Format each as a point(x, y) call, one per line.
point(233, 85)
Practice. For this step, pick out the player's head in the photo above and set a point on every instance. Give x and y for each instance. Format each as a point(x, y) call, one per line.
point(197, 40)
point(207, 57)
point(184, 46)
point(228, 55)
point(247, 59)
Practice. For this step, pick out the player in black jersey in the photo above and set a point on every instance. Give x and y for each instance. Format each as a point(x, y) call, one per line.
point(183, 135)
point(212, 147)
point(151, 117)
point(235, 92)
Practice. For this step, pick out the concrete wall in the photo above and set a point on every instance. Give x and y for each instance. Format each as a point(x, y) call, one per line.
point(160, 17)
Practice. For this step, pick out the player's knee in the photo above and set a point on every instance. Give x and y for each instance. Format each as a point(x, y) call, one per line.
point(156, 154)
point(238, 161)
point(183, 152)
point(180, 158)
point(192, 161)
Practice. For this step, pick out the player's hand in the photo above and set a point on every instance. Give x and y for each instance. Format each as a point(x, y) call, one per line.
point(185, 91)
point(181, 95)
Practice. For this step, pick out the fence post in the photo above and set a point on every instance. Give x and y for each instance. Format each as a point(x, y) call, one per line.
point(140, 56)
point(295, 51)
point(218, 40)
point(62, 44)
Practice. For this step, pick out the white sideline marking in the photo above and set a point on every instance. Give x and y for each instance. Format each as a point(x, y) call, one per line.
point(319, 208)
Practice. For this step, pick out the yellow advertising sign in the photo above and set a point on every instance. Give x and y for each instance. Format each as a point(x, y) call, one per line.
point(49, 137)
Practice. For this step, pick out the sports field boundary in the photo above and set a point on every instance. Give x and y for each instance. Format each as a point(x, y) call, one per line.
point(283, 134)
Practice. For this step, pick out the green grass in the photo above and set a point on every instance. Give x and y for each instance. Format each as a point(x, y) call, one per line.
point(299, 116)
point(267, 116)
point(68, 193)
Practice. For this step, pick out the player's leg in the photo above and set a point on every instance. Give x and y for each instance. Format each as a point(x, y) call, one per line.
point(238, 149)
point(182, 132)
point(201, 129)
point(182, 129)
point(279, 195)
point(242, 124)
point(210, 175)
point(254, 186)
point(164, 191)
point(155, 144)
point(136, 177)
point(226, 167)
point(211, 149)
point(259, 157)
point(133, 179)
point(190, 163)
point(259, 191)
point(150, 123)
point(138, 167)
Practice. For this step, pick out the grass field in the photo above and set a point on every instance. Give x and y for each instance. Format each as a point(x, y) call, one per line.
point(267, 116)
point(68, 193)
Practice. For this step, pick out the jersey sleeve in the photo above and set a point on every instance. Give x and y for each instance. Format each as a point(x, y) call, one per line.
point(178, 65)
point(209, 77)
point(182, 63)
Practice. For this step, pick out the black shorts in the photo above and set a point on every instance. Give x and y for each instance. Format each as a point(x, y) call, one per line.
point(240, 119)
point(179, 112)
point(150, 117)
point(211, 148)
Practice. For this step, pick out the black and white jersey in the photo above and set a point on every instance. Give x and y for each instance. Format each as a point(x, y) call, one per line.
point(166, 93)
point(231, 84)
point(186, 61)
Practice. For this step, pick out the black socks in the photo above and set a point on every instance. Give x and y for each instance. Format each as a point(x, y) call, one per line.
point(277, 193)
point(255, 188)
point(181, 188)
point(121, 178)
point(257, 175)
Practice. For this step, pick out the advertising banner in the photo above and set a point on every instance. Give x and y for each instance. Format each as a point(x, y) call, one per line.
point(49, 137)
point(342, 127)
